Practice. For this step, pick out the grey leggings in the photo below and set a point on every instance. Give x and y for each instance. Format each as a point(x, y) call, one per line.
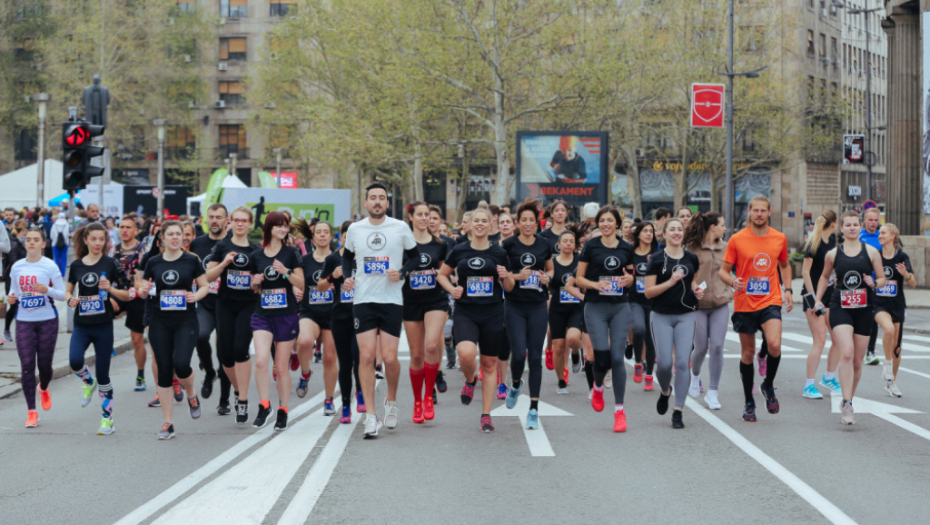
point(608, 325)
point(673, 333)
point(710, 332)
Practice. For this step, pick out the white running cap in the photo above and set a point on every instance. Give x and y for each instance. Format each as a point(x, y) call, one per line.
point(590, 210)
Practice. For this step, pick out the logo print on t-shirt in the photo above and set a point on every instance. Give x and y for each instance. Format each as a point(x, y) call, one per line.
point(682, 268)
point(170, 277)
point(476, 263)
point(565, 278)
point(376, 241)
point(641, 268)
point(527, 259)
point(425, 260)
point(270, 273)
point(89, 280)
point(241, 260)
point(762, 262)
point(611, 263)
point(888, 272)
point(316, 277)
point(852, 280)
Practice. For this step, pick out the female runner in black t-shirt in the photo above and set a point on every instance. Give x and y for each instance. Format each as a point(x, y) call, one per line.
point(316, 311)
point(821, 241)
point(566, 309)
point(890, 304)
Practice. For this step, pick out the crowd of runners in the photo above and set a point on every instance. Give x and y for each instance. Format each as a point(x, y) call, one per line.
point(516, 293)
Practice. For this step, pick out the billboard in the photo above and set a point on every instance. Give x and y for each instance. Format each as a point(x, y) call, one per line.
point(707, 105)
point(853, 149)
point(144, 200)
point(567, 165)
point(332, 206)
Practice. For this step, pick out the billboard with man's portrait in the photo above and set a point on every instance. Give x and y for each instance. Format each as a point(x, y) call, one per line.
point(567, 165)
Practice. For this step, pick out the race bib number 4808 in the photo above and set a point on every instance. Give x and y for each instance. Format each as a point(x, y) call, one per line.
point(173, 300)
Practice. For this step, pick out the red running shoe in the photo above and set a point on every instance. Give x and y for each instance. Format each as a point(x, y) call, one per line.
point(295, 361)
point(418, 413)
point(638, 374)
point(550, 364)
point(46, 399)
point(429, 411)
point(647, 384)
point(468, 393)
point(620, 421)
point(565, 375)
point(597, 399)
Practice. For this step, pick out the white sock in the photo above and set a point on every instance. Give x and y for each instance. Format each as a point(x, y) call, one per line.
point(828, 376)
point(599, 388)
point(808, 382)
point(618, 408)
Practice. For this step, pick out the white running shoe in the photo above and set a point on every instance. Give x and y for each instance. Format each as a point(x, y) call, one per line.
point(695, 389)
point(590, 394)
point(711, 399)
point(608, 380)
point(562, 391)
point(847, 417)
point(390, 414)
point(892, 388)
point(888, 372)
point(372, 425)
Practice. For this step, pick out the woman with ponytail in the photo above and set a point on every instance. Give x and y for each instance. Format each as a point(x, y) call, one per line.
point(890, 304)
point(820, 242)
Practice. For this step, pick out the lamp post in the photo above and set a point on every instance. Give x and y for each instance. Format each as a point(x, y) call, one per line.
point(43, 99)
point(160, 124)
point(277, 155)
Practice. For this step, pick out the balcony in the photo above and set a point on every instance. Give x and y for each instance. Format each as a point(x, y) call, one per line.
point(222, 153)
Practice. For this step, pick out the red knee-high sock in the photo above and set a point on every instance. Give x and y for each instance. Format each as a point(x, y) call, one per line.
point(416, 380)
point(431, 371)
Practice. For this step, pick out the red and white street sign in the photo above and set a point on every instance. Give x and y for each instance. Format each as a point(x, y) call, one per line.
point(707, 105)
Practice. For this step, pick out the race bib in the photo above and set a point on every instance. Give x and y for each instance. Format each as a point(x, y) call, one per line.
point(567, 298)
point(31, 301)
point(376, 265)
point(274, 298)
point(480, 286)
point(889, 290)
point(758, 286)
point(321, 298)
point(347, 297)
point(615, 288)
point(173, 300)
point(215, 286)
point(640, 285)
point(858, 298)
point(236, 280)
point(91, 305)
point(532, 282)
point(425, 280)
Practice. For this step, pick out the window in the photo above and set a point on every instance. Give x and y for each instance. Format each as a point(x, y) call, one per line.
point(823, 45)
point(810, 42)
point(833, 88)
point(833, 49)
point(232, 93)
point(283, 7)
point(24, 50)
point(233, 8)
point(186, 7)
point(232, 140)
point(181, 142)
point(233, 48)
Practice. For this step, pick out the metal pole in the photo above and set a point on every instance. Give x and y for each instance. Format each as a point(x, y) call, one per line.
point(728, 198)
point(160, 124)
point(42, 99)
point(232, 164)
point(868, 109)
point(277, 153)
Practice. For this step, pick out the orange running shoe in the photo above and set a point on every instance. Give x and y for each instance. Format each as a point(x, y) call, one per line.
point(32, 420)
point(418, 413)
point(647, 384)
point(638, 374)
point(597, 399)
point(620, 421)
point(46, 399)
point(565, 375)
point(429, 412)
point(550, 364)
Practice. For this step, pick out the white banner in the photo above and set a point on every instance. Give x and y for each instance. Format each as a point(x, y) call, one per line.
point(112, 199)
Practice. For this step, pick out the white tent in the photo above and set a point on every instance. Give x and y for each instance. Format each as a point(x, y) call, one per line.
point(231, 181)
point(20, 188)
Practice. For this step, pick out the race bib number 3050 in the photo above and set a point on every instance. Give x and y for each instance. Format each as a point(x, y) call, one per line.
point(858, 298)
point(30, 301)
point(758, 286)
point(376, 265)
point(173, 300)
point(480, 286)
point(274, 298)
point(615, 288)
point(91, 305)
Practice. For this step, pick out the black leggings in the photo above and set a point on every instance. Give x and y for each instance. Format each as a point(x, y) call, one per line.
point(10, 315)
point(173, 341)
point(642, 334)
point(347, 353)
point(233, 331)
point(527, 324)
point(207, 320)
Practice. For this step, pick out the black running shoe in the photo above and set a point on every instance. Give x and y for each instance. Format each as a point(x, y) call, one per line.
point(629, 351)
point(262, 418)
point(771, 402)
point(207, 389)
point(242, 412)
point(435, 398)
point(223, 408)
point(749, 414)
point(662, 403)
point(441, 384)
point(281, 423)
point(676, 419)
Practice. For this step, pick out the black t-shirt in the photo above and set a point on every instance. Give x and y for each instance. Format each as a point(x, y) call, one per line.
point(891, 296)
point(236, 279)
point(420, 285)
point(203, 247)
point(817, 262)
point(552, 239)
point(172, 279)
point(276, 296)
point(561, 274)
point(85, 278)
point(679, 298)
point(494, 238)
point(343, 301)
point(460, 239)
point(316, 302)
point(477, 271)
point(606, 263)
point(638, 288)
point(534, 256)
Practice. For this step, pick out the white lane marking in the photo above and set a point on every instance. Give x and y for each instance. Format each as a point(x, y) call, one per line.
point(298, 511)
point(535, 439)
point(810, 340)
point(912, 371)
point(820, 503)
point(824, 356)
point(193, 479)
point(246, 492)
point(917, 338)
point(882, 411)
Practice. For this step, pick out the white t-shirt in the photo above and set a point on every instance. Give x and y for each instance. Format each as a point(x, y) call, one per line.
point(378, 249)
point(34, 306)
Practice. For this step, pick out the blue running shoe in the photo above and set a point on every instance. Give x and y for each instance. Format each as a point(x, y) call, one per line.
point(811, 392)
point(302, 387)
point(501, 391)
point(513, 395)
point(329, 408)
point(832, 384)
point(346, 415)
point(532, 419)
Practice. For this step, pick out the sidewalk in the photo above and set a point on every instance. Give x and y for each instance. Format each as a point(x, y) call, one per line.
point(9, 359)
point(918, 307)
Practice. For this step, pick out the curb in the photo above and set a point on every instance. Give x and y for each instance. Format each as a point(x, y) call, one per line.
point(63, 368)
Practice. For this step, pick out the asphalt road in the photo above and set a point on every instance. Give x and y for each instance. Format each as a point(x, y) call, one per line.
point(800, 466)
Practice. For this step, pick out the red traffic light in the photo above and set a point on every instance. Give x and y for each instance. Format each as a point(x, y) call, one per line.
point(76, 136)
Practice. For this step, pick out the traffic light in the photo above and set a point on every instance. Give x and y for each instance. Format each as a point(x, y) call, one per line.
point(76, 143)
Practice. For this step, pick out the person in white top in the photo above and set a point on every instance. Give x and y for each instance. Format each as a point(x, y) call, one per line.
point(35, 283)
point(378, 245)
